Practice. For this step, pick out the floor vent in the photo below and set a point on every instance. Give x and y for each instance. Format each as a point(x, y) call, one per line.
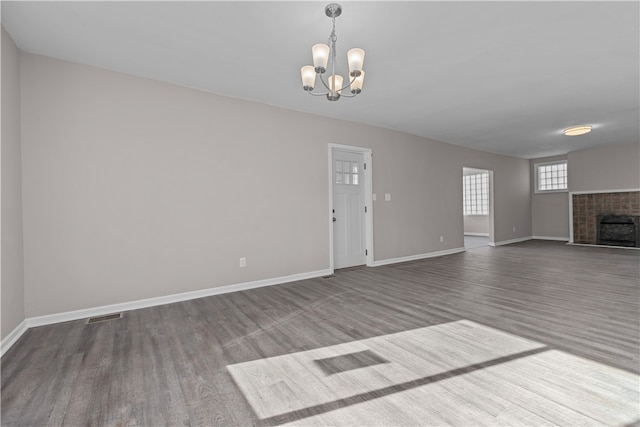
point(104, 318)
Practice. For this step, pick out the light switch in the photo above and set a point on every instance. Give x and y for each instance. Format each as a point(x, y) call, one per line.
point(387, 197)
point(374, 197)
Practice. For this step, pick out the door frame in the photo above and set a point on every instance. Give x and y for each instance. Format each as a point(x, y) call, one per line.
point(368, 199)
point(492, 239)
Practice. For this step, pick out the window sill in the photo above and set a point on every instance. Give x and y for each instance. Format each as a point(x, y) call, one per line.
point(550, 191)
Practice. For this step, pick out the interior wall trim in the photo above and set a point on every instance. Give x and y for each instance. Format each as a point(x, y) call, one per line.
point(508, 242)
point(589, 245)
point(628, 190)
point(415, 257)
point(49, 319)
point(12, 337)
point(559, 239)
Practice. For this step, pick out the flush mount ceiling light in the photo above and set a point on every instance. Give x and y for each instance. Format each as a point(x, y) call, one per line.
point(322, 54)
point(577, 130)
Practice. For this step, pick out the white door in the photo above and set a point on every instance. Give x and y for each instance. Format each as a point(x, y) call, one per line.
point(349, 240)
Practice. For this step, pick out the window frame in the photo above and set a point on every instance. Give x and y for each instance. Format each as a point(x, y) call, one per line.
point(536, 184)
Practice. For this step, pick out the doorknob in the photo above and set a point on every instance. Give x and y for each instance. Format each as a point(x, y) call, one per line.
point(334, 219)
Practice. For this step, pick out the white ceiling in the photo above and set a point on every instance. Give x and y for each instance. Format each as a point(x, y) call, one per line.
point(504, 77)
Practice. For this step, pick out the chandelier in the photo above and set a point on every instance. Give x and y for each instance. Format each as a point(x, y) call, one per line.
point(322, 54)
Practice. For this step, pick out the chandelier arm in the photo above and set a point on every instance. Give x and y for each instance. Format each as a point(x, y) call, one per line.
point(348, 84)
point(323, 83)
point(339, 90)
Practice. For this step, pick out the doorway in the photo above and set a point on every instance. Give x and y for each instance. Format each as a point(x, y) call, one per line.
point(351, 224)
point(477, 207)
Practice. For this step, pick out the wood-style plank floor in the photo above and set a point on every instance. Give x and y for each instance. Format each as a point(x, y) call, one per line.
point(535, 333)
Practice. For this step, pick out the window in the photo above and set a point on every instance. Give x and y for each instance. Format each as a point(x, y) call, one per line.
point(551, 176)
point(347, 172)
point(476, 194)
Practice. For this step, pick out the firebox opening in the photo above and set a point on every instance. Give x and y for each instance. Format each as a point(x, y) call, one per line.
point(618, 230)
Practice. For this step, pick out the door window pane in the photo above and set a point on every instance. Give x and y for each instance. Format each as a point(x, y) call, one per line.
point(347, 173)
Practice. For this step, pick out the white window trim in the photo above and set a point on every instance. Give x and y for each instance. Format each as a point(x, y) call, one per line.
point(535, 179)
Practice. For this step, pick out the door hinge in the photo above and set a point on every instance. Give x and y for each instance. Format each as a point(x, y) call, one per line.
point(365, 209)
point(366, 252)
point(365, 166)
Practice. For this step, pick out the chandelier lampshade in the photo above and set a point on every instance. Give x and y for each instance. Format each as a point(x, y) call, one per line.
point(320, 54)
point(356, 84)
point(308, 77)
point(335, 84)
point(355, 57)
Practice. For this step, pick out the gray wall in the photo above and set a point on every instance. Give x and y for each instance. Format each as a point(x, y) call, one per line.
point(12, 277)
point(615, 167)
point(549, 211)
point(476, 224)
point(134, 189)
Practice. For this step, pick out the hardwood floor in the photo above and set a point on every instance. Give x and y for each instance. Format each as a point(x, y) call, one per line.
point(535, 333)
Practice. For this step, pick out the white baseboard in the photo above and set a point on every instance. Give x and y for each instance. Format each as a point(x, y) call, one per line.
point(602, 246)
point(559, 239)
point(168, 299)
point(477, 234)
point(13, 336)
point(415, 257)
point(508, 242)
point(49, 319)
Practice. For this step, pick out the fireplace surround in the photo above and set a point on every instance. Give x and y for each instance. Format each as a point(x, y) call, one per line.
point(588, 210)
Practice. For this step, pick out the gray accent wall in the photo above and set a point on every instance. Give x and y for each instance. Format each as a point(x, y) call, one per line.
point(135, 188)
point(12, 276)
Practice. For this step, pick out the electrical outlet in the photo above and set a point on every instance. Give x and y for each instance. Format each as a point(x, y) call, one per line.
point(441, 239)
point(243, 262)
